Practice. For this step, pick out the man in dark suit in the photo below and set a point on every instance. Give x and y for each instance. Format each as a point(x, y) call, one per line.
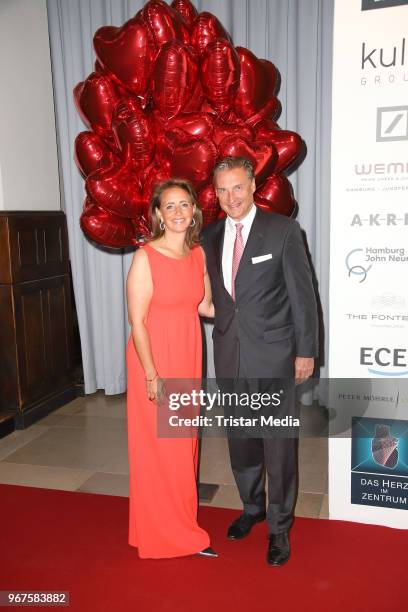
point(265, 328)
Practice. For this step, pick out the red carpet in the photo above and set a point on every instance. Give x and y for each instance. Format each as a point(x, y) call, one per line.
point(77, 542)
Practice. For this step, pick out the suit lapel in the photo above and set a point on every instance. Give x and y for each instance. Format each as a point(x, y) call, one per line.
point(218, 243)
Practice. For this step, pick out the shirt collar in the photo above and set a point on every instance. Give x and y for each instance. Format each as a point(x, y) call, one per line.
point(246, 221)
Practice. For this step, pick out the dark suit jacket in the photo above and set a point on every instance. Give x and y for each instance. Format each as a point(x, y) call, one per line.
point(274, 316)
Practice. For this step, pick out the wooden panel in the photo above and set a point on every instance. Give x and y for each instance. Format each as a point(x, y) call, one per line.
point(44, 336)
point(31, 339)
point(5, 259)
point(60, 328)
point(38, 246)
point(36, 334)
point(9, 394)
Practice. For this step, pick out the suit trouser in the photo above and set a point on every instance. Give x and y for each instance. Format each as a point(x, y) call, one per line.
point(249, 457)
point(279, 455)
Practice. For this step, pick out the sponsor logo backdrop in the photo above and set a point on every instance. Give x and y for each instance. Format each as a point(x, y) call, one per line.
point(369, 245)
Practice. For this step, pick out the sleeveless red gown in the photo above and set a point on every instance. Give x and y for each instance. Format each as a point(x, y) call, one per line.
point(163, 471)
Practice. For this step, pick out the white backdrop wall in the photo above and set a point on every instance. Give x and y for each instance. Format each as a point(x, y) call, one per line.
point(28, 147)
point(296, 36)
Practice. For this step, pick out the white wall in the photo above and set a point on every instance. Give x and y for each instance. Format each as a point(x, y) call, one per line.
point(28, 150)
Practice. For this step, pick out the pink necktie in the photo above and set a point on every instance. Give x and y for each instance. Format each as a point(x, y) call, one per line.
point(236, 256)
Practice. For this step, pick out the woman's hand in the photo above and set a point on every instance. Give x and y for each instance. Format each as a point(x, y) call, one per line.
point(152, 388)
point(156, 391)
point(206, 307)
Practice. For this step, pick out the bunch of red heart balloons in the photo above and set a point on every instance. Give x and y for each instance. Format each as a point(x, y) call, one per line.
point(170, 96)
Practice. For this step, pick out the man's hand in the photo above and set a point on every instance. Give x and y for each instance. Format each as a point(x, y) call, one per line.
point(304, 367)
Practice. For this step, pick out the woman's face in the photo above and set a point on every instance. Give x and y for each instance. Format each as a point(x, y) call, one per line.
point(176, 209)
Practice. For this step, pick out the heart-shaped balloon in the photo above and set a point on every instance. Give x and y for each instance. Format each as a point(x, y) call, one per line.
point(116, 189)
point(256, 85)
point(262, 154)
point(188, 157)
point(165, 23)
point(95, 99)
point(166, 142)
point(197, 99)
point(142, 230)
point(272, 77)
point(153, 176)
point(264, 127)
point(220, 74)
point(223, 129)
point(206, 29)
point(289, 145)
point(209, 205)
point(106, 228)
point(174, 79)
point(98, 67)
point(92, 153)
point(271, 110)
point(195, 124)
point(128, 53)
point(134, 134)
point(276, 195)
point(195, 161)
point(186, 9)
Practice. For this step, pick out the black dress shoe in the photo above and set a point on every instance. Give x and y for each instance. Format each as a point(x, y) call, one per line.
point(243, 525)
point(278, 549)
point(207, 552)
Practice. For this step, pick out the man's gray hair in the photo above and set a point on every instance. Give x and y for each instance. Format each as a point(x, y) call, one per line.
point(229, 163)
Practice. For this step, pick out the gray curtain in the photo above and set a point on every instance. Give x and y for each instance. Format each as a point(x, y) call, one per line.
point(297, 37)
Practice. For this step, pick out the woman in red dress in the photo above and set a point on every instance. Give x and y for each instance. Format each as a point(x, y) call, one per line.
point(167, 289)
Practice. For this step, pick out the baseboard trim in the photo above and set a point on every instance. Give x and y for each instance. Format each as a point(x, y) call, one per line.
point(37, 411)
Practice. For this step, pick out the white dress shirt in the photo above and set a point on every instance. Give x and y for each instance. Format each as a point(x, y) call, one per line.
point(229, 239)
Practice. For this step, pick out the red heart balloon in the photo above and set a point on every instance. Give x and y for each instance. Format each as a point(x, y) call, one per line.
point(175, 76)
point(166, 142)
point(128, 53)
point(95, 99)
point(257, 82)
point(195, 124)
point(134, 134)
point(206, 29)
point(271, 110)
point(276, 195)
point(262, 154)
point(187, 10)
point(142, 230)
point(98, 67)
point(195, 161)
point(272, 77)
point(264, 127)
point(209, 205)
point(223, 129)
point(188, 157)
point(116, 189)
point(152, 177)
point(106, 228)
point(220, 74)
point(92, 153)
point(164, 23)
point(196, 101)
point(289, 145)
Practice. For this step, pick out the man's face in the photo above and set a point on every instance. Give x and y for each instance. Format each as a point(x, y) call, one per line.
point(235, 192)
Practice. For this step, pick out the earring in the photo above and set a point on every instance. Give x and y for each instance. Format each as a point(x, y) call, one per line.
point(192, 224)
point(162, 226)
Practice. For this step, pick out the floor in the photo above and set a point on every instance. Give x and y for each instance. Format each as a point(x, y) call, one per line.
point(83, 447)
